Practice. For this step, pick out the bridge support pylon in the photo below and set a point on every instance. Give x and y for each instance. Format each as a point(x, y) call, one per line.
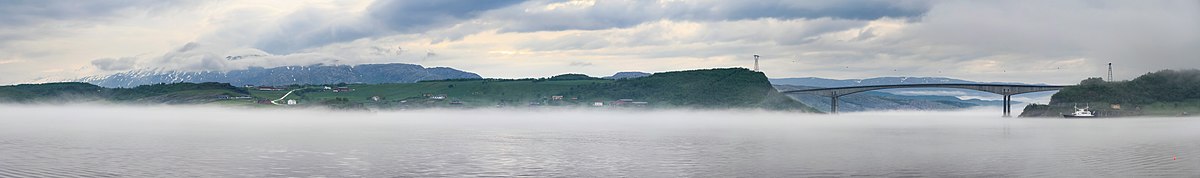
point(833, 105)
point(1007, 105)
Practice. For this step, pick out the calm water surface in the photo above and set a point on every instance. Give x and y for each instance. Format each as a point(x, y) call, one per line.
point(79, 141)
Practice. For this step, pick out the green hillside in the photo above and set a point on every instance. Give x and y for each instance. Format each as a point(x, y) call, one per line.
point(176, 93)
point(734, 88)
point(709, 89)
point(715, 88)
point(470, 93)
point(1166, 92)
point(50, 91)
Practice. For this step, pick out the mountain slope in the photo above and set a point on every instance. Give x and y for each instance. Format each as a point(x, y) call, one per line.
point(627, 75)
point(1161, 93)
point(174, 93)
point(709, 88)
point(734, 88)
point(314, 74)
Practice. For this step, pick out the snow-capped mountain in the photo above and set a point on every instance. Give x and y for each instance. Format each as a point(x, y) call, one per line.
point(627, 75)
point(313, 74)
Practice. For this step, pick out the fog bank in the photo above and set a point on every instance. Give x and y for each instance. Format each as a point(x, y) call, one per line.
point(204, 141)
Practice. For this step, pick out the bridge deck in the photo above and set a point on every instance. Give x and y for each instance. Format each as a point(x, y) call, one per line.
point(1002, 89)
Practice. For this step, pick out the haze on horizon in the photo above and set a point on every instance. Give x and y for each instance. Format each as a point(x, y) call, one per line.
point(1057, 42)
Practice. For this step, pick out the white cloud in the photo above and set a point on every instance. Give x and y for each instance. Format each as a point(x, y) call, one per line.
point(124, 63)
point(10, 61)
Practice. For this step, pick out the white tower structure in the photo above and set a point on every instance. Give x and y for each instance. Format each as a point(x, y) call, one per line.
point(1110, 78)
point(756, 63)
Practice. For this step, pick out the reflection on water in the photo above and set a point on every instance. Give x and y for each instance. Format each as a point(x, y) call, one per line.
point(208, 142)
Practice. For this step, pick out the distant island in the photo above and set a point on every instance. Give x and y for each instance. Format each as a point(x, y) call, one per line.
point(1162, 93)
point(729, 88)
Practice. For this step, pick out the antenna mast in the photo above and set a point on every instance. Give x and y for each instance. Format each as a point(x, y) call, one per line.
point(756, 63)
point(1110, 78)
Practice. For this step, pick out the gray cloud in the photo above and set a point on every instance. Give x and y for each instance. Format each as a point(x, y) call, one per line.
point(580, 64)
point(418, 16)
point(1057, 40)
point(1141, 36)
point(313, 27)
point(666, 33)
point(33, 19)
point(113, 64)
point(316, 27)
point(28, 12)
point(620, 14)
point(444, 20)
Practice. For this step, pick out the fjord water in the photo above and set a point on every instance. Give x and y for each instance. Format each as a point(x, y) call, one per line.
point(84, 141)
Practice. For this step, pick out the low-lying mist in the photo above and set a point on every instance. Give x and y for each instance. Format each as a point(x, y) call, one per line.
point(103, 111)
point(206, 141)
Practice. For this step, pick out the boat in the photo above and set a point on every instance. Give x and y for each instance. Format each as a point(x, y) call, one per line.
point(1081, 113)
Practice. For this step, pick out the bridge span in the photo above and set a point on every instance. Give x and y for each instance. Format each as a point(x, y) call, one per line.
point(1002, 89)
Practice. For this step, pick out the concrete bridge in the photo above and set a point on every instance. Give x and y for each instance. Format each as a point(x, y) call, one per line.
point(1001, 89)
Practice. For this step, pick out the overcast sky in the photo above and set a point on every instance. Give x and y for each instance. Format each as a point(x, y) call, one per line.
point(1037, 41)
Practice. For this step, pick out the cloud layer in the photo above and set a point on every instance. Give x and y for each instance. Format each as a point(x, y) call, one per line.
point(1059, 41)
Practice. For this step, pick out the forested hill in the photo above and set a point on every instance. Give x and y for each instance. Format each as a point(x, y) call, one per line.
point(1166, 92)
point(733, 88)
point(1161, 86)
point(709, 88)
point(176, 93)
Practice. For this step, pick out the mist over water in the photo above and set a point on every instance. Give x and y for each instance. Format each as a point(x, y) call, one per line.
point(162, 141)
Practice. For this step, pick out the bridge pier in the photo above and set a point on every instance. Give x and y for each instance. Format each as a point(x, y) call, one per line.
point(833, 105)
point(1007, 105)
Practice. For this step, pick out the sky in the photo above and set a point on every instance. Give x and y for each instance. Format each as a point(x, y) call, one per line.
point(1036, 41)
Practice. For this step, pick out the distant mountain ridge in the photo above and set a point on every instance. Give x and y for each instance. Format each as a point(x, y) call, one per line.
point(286, 75)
